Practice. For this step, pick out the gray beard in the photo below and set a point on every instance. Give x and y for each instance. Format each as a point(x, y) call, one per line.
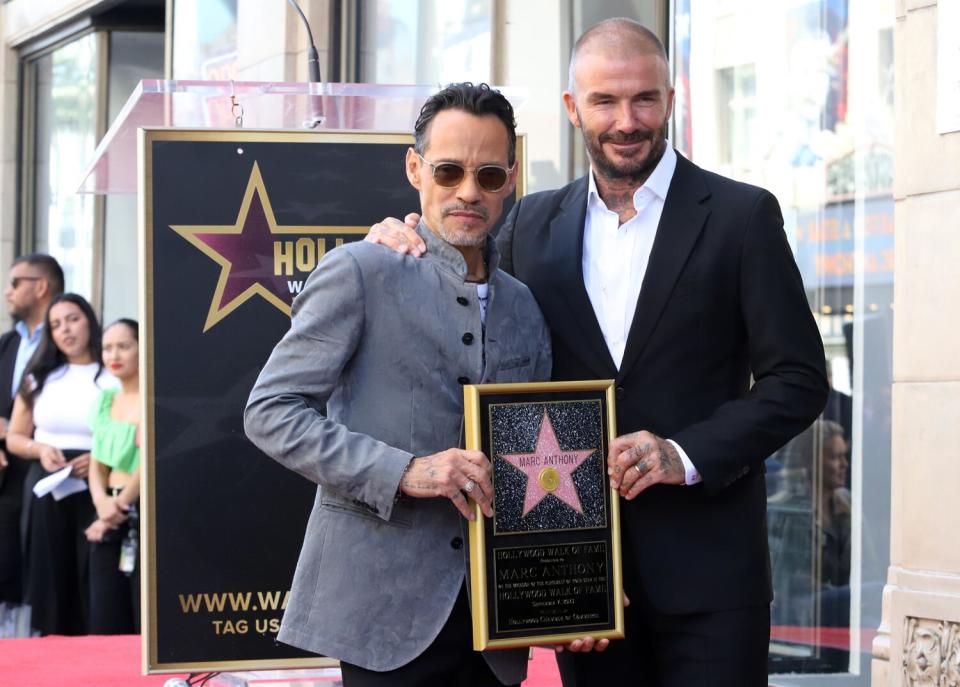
point(461, 239)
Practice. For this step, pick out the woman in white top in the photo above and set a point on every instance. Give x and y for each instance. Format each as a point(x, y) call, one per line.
point(49, 424)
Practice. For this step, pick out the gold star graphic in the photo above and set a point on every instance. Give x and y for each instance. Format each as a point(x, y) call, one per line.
point(247, 254)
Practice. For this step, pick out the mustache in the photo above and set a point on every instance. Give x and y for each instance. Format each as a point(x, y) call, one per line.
point(463, 207)
point(631, 137)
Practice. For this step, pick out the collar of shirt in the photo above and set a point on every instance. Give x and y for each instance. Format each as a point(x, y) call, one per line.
point(21, 328)
point(658, 182)
point(451, 258)
point(615, 254)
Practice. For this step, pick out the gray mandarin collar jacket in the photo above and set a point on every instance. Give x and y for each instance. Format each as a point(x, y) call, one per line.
point(385, 342)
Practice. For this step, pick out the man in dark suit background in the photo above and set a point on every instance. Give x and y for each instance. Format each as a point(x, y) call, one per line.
point(681, 285)
point(34, 280)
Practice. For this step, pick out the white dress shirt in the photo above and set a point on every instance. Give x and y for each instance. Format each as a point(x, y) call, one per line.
point(615, 258)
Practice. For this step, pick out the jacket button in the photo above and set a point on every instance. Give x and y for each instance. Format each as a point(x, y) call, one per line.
point(456, 543)
point(620, 393)
point(467, 338)
point(463, 380)
point(462, 301)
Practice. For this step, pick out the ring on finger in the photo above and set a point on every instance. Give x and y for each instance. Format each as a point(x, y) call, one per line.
point(468, 487)
point(636, 467)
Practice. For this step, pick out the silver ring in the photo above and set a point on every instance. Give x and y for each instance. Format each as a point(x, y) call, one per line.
point(468, 487)
point(636, 466)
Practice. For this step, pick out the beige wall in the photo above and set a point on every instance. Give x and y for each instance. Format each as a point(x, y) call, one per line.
point(8, 150)
point(272, 41)
point(919, 643)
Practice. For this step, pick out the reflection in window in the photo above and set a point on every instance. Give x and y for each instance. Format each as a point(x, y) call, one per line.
point(425, 41)
point(809, 529)
point(736, 112)
point(66, 135)
point(804, 108)
point(134, 55)
point(205, 39)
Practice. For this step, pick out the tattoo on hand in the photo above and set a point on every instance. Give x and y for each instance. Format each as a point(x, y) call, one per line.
point(670, 461)
point(416, 485)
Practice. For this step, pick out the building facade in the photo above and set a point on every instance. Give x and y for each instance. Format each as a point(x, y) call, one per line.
point(825, 102)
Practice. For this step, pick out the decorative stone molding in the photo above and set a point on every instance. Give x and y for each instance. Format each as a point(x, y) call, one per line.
point(931, 653)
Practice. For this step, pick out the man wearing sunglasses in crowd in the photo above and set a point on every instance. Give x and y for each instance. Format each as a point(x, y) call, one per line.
point(35, 279)
point(385, 342)
point(681, 285)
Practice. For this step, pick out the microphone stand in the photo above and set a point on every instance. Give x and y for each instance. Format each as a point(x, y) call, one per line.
point(313, 68)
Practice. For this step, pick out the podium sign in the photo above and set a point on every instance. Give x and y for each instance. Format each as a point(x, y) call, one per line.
point(233, 222)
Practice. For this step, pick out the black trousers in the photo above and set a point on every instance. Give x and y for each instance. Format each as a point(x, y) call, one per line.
point(722, 649)
point(449, 662)
point(114, 595)
point(57, 584)
point(11, 546)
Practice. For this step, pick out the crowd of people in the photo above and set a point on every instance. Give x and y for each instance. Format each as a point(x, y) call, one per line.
point(70, 407)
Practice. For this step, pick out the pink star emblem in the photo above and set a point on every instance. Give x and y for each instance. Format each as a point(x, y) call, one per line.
point(549, 469)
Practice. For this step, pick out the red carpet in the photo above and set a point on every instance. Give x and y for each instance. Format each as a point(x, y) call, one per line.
point(73, 661)
point(115, 662)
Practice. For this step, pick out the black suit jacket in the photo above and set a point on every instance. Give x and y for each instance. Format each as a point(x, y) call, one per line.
point(9, 343)
point(722, 299)
point(11, 483)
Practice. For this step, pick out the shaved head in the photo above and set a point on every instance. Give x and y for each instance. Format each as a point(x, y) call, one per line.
point(619, 37)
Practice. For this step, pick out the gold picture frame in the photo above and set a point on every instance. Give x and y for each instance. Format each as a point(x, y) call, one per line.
point(555, 530)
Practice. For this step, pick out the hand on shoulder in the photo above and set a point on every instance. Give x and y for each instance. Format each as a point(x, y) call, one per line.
point(398, 236)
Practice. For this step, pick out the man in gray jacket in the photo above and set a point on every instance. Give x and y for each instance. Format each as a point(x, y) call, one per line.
point(385, 342)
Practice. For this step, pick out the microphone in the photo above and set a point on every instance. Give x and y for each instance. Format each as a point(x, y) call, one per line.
point(313, 68)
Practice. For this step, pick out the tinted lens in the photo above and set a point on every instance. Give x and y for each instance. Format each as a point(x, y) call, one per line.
point(16, 281)
point(491, 178)
point(447, 174)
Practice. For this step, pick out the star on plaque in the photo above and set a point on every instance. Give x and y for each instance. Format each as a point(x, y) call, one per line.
point(549, 469)
point(246, 253)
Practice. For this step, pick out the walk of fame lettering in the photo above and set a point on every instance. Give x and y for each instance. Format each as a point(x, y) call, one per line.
point(259, 257)
point(549, 469)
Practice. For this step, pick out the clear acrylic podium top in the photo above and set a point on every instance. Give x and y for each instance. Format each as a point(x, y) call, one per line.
point(250, 105)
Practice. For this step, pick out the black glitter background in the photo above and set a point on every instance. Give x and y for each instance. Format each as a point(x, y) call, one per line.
point(514, 428)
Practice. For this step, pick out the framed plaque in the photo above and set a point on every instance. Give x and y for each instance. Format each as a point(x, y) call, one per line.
point(545, 569)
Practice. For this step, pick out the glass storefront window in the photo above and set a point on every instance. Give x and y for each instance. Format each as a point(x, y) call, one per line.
point(134, 55)
point(425, 41)
point(205, 39)
point(65, 135)
point(805, 109)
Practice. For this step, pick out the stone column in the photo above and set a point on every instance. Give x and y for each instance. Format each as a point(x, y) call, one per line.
point(919, 640)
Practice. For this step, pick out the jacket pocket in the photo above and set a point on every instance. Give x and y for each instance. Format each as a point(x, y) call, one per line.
point(341, 504)
point(515, 362)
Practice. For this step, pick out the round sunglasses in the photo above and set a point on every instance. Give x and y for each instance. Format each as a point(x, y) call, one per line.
point(490, 178)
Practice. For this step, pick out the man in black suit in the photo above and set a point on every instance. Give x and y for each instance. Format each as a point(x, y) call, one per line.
point(681, 285)
point(34, 280)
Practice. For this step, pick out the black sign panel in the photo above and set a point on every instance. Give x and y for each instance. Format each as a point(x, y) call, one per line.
point(234, 222)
